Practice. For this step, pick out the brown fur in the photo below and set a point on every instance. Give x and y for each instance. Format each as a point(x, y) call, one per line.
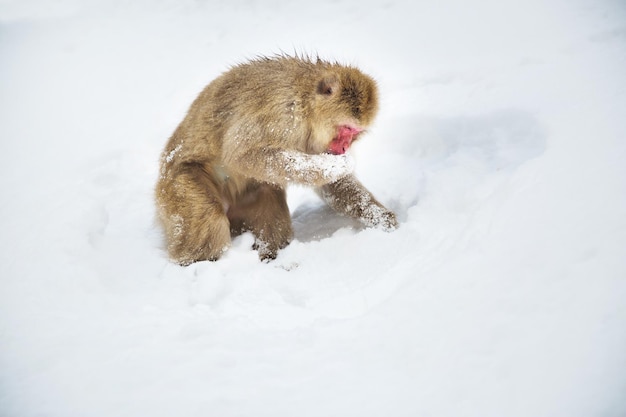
point(252, 130)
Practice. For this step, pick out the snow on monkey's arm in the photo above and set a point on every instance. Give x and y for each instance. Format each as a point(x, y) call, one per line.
point(317, 169)
point(279, 166)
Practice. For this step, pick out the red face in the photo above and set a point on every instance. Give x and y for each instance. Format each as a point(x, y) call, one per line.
point(342, 141)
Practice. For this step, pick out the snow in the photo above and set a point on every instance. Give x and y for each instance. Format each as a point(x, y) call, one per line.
point(500, 145)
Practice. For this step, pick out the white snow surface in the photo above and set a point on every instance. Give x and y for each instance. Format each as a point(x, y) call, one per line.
point(500, 144)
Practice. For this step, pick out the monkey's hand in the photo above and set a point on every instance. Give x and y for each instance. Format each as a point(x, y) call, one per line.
point(347, 195)
point(379, 217)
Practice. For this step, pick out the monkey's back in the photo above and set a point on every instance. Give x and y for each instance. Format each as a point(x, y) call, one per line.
point(268, 97)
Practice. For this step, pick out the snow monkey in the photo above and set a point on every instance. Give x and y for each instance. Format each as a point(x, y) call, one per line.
point(250, 132)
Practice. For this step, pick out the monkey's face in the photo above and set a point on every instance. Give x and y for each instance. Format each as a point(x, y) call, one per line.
point(346, 101)
point(343, 139)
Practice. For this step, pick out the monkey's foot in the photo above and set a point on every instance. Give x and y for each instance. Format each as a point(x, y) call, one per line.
point(268, 251)
point(199, 256)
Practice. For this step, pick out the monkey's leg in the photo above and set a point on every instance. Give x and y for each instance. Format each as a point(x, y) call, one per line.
point(192, 212)
point(350, 197)
point(262, 209)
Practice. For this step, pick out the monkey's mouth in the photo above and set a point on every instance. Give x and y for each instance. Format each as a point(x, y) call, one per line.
point(346, 134)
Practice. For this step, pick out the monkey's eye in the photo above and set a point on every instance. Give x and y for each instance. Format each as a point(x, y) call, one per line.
point(327, 86)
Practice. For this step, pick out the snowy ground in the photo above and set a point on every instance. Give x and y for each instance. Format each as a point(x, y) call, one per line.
point(500, 143)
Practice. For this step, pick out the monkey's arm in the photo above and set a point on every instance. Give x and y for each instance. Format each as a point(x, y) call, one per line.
point(347, 195)
point(279, 166)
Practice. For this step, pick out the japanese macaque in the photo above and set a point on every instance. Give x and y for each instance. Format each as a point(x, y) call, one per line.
point(250, 132)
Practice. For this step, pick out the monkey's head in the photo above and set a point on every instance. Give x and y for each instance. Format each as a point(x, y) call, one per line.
point(345, 104)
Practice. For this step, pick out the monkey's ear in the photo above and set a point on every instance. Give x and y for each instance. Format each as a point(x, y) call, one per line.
point(328, 85)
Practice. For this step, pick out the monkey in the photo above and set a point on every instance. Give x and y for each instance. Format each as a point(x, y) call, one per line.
point(258, 126)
